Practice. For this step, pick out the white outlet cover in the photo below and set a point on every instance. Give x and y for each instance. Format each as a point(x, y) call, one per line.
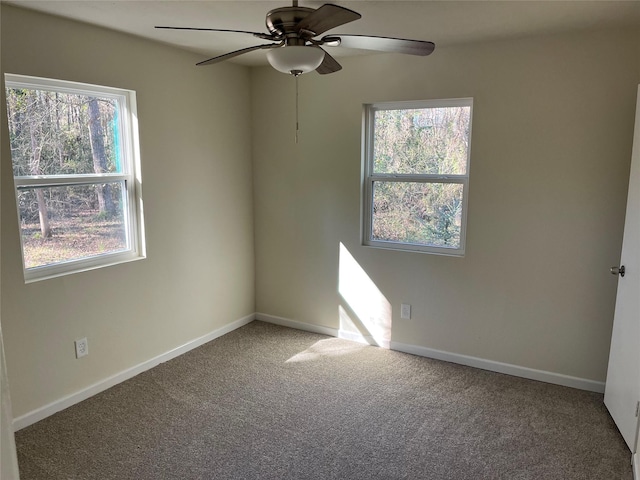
point(82, 347)
point(405, 311)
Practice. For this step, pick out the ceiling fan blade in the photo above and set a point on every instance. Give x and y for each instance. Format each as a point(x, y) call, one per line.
point(325, 18)
point(384, 44)
point(264, 36)
point(229, 55)
point(328, 65)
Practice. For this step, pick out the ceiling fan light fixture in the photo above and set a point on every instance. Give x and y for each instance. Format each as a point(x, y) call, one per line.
point(295, 59)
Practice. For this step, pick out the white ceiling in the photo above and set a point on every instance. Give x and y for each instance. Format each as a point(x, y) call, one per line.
point(445, 22)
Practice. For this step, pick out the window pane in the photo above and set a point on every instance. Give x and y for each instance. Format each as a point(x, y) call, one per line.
point(67, 223)
point(432, 141)
point(417, 213)
point(53, 133)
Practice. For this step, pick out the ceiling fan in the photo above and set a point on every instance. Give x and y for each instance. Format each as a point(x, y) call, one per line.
point(294, 48)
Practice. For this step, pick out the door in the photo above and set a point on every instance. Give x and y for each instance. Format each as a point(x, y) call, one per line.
point(622, 391)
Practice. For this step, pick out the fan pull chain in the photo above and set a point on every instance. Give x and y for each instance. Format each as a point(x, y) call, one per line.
point(297, 124)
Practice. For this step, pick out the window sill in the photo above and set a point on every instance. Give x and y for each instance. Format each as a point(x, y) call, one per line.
point(48, 272)
point(410, 248)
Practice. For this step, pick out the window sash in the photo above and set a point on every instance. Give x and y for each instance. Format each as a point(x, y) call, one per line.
point(90, 261)
point(422, 178)
point(126, 106)
point(35, 181)
point(64, 86)
point(418, 247)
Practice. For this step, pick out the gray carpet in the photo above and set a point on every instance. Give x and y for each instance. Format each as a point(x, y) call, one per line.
point(267, 402)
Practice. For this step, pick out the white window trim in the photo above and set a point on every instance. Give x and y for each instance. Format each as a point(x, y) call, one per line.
point(368, 177)
point(131, 175)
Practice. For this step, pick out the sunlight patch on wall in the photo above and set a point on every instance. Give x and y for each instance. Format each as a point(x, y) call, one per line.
point(352, 329)
point(367, 312)
point(331, 347)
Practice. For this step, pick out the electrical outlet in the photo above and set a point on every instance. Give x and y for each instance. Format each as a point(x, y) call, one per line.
point(82, 347)
point(405, 311)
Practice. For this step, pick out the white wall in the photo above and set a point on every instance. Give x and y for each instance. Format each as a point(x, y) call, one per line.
point(196, 167)
point(552, 132)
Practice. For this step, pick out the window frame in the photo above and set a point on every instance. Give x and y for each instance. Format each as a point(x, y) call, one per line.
point(130, 177)
point(369, 177)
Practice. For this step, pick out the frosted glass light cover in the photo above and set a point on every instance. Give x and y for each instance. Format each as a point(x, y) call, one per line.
point(295, 58)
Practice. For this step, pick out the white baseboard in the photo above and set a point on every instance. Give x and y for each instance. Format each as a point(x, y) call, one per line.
point(491, 365)
point(65, 402)
point(635, 461)
point(499, 367)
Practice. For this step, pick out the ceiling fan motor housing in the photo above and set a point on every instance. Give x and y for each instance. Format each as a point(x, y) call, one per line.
point(283, 21)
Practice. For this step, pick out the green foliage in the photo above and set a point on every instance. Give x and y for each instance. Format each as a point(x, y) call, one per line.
point(430, 141)
point(54, 133)
point(106, 215)
point(49, 134)
point(418, 213)
point(61, 201)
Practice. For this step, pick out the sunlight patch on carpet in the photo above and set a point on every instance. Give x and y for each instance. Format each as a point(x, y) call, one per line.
point(331, 347)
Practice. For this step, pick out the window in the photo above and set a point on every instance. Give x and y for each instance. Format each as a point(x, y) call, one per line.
point(76, 171)
point(416, 175)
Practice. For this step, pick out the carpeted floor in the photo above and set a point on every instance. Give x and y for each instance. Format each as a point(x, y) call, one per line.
point(266, 402)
